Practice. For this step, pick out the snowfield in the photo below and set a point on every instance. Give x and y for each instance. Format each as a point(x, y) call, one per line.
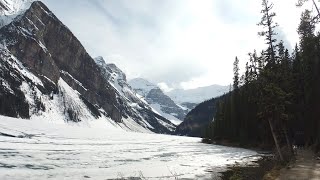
point(35, 149)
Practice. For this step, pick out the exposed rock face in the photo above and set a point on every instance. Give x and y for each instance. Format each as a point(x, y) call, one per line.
point(52, 54)
point(12, 99)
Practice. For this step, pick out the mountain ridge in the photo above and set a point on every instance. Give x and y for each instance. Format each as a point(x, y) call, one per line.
point(45, 70)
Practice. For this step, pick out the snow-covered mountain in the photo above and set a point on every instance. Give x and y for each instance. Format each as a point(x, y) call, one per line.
point(134, 102)
point(197, 95)
point(177, 102)
point(158, 100)
point(45, 73)
point(142, 86)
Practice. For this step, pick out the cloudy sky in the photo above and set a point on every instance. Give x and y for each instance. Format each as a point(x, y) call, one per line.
point(177, 43)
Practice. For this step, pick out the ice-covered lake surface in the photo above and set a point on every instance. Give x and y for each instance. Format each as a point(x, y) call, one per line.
point(44, 150)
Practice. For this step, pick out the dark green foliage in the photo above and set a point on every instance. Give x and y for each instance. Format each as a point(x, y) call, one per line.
point(309, 56)
point(197, 119)
point(279, 96)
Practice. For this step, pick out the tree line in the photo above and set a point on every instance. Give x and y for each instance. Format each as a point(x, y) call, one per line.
point(276, 102)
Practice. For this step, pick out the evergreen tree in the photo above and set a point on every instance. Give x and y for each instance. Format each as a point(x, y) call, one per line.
point(236, 74)
point(278, 93)
point(272, 96)
point(269, 31)
point(309, 54)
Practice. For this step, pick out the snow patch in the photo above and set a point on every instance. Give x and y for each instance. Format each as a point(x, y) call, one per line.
point(142, 86)
point(74, 79)
point(5, 84)
point(17, 65)
point(170, 117)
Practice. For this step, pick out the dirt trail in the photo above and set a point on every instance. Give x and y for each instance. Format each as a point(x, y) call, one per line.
point(305, 168)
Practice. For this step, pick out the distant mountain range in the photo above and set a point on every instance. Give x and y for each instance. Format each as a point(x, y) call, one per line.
point(178, 102)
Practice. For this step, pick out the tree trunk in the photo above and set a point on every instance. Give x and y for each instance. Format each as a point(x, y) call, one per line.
point(287, 139)
point(275, 140)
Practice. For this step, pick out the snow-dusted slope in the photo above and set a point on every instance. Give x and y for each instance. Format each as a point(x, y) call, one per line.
point(9, 9)
point(158, 100)
point(135, 103)
point(118, 80)
point(63, 106)
point(197, 95)
point(142, 86)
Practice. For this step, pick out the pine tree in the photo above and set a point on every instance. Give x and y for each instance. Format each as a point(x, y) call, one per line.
point(269, 32)
point(281, 52)
point(309, 53)
point(236, 74)
point(272, 96)
point(277, 92)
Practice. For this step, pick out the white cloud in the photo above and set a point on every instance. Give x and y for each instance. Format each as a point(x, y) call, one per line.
point(181, 43)
point(163, 86)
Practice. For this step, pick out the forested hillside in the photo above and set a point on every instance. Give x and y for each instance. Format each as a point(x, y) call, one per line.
point(197, 119)
point(276, 102)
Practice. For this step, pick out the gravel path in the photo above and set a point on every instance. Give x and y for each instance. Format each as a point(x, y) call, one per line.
point(307, 167)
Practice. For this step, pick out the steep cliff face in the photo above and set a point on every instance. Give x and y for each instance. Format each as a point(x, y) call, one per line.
point(47, 48)
point(55, 64)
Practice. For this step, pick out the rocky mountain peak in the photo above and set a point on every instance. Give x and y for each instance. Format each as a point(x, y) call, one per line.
point(111, 71)
point(100, 61)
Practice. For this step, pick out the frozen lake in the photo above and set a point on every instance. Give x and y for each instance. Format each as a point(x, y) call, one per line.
point(44, 150)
